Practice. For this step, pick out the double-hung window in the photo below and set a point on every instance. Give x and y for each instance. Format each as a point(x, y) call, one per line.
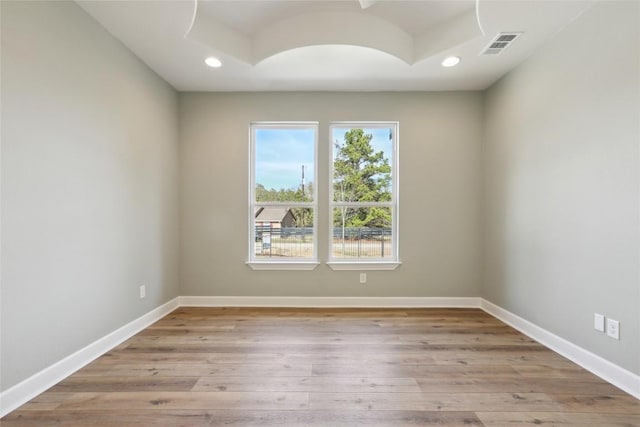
point(283, 196)
point(364, 196)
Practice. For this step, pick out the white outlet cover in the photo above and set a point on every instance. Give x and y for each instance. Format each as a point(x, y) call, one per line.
point(598, 322)
point(613, 329)
point(363, 277)
point(143, 291)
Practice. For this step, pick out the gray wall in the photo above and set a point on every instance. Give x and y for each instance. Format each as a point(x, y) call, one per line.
point(561, 164)
point(440, 137)
point(89, 186)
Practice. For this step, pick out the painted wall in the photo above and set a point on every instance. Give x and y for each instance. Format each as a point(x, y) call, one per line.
point(562, 198)
point(89, 186)
point(90, 181)
point(439, 184)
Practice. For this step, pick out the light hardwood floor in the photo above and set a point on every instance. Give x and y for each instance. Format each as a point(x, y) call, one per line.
point(330, 367)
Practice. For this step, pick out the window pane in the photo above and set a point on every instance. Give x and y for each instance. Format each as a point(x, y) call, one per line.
point(284, 164)
point(280, 232)
point(362, 159)
point(362, 233)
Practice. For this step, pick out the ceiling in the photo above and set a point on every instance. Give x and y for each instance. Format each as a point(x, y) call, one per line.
point(347, 45)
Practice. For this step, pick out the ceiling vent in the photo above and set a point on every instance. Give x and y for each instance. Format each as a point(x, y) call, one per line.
point(500, 43)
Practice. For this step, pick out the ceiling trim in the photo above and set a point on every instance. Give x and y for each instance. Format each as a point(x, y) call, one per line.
point(447, 35)
point(193, 17)
point(367, 3)
point(174, 37)
point(217, 35)
point(333, 28)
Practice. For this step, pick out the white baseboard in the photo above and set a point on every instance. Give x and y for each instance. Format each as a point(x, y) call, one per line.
point(26, 390)
point(608, 371)
point(329, 302)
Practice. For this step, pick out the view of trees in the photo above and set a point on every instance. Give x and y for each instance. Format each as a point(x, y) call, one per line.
point(362, 205)
point(360, 175)
point(284, 195)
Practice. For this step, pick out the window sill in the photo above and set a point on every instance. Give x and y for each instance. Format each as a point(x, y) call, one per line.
point(363, 265)
point(287, 265)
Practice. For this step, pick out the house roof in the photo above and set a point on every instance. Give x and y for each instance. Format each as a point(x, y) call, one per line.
point(272, 214)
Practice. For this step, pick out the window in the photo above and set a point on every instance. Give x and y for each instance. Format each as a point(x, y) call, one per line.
point(283, 201)
point(364, 196)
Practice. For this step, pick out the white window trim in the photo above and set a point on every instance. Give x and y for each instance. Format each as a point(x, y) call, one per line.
point(293, 263)
point(367, 263)
point(283, 265)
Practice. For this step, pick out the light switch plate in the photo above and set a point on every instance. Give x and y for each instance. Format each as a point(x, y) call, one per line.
point(598, 322)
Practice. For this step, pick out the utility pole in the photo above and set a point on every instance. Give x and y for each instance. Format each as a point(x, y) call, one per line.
point(302, 210)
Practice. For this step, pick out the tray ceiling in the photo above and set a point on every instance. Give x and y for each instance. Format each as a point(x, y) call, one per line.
point(366, 45)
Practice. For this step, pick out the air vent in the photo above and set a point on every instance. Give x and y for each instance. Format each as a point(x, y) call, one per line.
point(500, 43)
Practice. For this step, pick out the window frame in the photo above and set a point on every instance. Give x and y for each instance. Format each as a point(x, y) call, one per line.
point(367, 263)
point(293, 263)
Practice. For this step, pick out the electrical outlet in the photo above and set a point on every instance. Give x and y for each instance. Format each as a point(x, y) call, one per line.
point(363, 277)
point(598, 322)
point(613, 329)
point(143, 291)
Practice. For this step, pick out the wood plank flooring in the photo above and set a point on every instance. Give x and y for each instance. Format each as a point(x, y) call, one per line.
point(329, 367)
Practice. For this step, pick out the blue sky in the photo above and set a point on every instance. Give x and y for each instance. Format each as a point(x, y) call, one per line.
point(280, 154)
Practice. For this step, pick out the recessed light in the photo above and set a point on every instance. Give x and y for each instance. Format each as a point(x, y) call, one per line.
point(213, 62)
point(451, 61)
